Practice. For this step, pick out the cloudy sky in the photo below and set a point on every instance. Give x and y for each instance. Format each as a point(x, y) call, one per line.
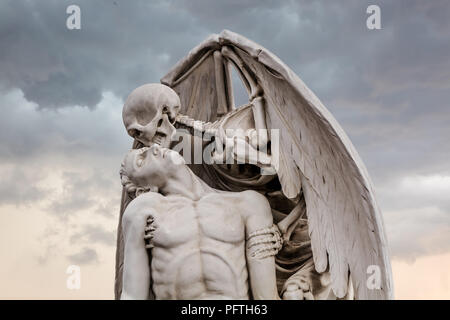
point(62, 138)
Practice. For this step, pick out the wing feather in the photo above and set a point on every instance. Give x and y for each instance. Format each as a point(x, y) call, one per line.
point(345, 224)
point(315, 156)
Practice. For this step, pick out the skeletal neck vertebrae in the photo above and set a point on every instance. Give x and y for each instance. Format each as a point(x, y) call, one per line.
point(245, 145)
point(206, 127)
point(203, 127)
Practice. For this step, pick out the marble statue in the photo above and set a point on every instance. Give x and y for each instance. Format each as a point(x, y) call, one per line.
point(280, 205)
point(204, 243)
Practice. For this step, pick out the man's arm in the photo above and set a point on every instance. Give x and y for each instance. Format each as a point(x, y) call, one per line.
point(262, 244)
point(136, 269)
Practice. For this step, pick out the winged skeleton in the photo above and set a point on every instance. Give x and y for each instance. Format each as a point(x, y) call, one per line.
point(318, 188)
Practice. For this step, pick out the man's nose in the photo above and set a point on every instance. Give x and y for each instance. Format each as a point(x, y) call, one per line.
point(155, 149)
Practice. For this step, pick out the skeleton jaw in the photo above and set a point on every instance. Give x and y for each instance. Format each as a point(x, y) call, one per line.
point(160, 139)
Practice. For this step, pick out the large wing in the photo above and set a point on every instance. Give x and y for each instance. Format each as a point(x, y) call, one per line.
point(345, 223)
point(202, 82)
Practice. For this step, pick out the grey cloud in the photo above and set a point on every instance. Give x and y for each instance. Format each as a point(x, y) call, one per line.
point(19, 187)
point(50, 251)
point(85, 256)
point(388, 88)
point(417, 214)
point(417, 232)
point(27, 133)
point(114, 52)
point(93, 234)
point(83, 191)
point(110, 208)
point(118, 48)
point(401, 69)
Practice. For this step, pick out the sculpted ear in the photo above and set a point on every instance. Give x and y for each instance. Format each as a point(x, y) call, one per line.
point(140, 190)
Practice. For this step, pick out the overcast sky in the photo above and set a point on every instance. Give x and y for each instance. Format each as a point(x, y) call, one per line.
point(62, 138)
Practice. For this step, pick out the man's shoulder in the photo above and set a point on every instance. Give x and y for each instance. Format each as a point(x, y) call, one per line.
point(247, 195)
point(254, 202)
point(145, 200)
point(252, 195)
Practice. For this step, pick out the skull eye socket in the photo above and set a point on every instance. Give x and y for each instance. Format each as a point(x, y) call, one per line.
point(135, 133)
point(171, 118)
point(170, 115)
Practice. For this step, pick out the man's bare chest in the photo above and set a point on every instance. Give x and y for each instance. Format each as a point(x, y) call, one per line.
point(183, 221)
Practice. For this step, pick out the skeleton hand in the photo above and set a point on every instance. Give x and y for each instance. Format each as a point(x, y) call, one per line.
point(149, 232)
point(297, 287)
point(258, 139)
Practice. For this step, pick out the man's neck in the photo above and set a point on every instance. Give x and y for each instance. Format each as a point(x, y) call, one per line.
point(186, 184)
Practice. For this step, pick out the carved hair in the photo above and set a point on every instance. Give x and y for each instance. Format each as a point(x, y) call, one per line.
point(130, 185)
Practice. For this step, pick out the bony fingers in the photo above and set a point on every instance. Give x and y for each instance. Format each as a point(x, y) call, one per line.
point(293, 295)
point(308, 295)
point(303, 285)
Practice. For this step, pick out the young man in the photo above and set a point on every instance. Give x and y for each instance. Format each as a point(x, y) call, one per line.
point(204, 243)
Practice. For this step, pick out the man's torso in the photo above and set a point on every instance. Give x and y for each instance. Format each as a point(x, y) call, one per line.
point(199, 248)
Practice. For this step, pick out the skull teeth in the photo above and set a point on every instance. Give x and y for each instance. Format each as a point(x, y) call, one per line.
point(158, 138)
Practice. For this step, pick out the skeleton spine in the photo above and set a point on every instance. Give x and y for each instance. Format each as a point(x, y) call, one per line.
point(207, 128)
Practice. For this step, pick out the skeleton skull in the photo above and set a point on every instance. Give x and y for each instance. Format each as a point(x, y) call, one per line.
point(149, 114)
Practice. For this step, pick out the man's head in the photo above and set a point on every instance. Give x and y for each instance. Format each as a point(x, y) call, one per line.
point(149, 114)
point(149, 169)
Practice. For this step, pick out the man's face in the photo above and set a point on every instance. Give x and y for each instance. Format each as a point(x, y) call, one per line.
point(152, 165)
